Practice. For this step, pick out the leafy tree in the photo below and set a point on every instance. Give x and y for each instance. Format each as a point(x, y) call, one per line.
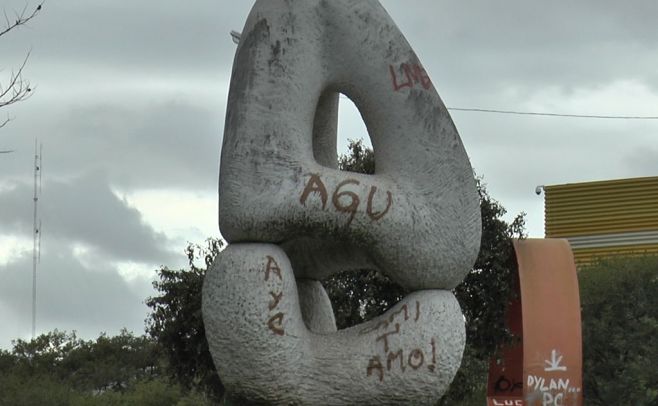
point(176, 320)
point(61, 366)
point(58, 368)
point(619, 299)
point(125, 358)
point(359, 158)
point(152, 392)
point(17, 88)
point(483, 295)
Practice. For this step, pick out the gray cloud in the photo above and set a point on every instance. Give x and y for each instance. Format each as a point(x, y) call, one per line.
point(131, 95)
point(85, 211)
point(170, 144)
point(483, 46)
point(69, 297)
point(643, 160)
point(162, 36)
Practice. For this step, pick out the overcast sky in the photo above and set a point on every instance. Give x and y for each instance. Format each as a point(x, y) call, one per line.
point(130, 101)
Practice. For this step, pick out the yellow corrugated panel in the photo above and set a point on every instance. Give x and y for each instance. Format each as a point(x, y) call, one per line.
point(607, 207)
point(585, 256)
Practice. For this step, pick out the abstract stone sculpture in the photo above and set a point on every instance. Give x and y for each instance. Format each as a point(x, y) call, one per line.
point(292, 218)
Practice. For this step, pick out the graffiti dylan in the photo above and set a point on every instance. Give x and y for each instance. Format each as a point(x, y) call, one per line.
point(553, 390)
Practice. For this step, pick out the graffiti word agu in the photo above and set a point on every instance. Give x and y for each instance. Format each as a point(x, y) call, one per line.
point(345, 201)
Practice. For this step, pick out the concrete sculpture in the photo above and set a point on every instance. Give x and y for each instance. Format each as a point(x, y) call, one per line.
point(292, 218)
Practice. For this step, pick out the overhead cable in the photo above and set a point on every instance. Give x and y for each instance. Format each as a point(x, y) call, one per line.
point(532, 113)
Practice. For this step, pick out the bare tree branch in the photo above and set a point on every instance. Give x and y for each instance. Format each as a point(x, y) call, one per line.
point(21, 18)
point(17, 89)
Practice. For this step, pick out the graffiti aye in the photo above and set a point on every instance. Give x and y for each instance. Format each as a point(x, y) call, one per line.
point(275, 322)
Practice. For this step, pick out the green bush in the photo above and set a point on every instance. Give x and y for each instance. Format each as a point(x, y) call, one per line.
point(36, 390)
point(619, 299)
point(153, 392)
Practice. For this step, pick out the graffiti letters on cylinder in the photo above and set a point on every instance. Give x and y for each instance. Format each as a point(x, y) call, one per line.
point(291, 218)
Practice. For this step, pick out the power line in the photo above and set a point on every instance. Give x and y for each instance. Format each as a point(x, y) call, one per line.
point(532, 113)
point(235, 36)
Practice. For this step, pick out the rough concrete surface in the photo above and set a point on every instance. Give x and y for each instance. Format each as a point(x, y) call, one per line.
point(417, 217)
point(291, 218)
point(264, 351)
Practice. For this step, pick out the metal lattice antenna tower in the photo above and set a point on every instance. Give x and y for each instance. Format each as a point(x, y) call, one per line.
point(36, 248)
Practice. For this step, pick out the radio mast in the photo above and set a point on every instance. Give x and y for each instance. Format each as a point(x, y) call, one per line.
point(36, 230)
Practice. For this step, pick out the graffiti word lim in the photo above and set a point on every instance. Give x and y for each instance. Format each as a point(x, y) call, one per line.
point(409, 75)
point(345, 201)
point(275, 322)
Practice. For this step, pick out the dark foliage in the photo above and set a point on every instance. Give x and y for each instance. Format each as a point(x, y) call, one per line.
point(619, 300)
point(485, 292)
point(361, 295)
point(484, 295)
point(57, 368)
point(356, 296)
point(176, 322)
point(360, 159)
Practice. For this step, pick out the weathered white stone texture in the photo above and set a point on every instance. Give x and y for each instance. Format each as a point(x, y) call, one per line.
point(292, 218)
point(417, 218)
point(265, 352)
